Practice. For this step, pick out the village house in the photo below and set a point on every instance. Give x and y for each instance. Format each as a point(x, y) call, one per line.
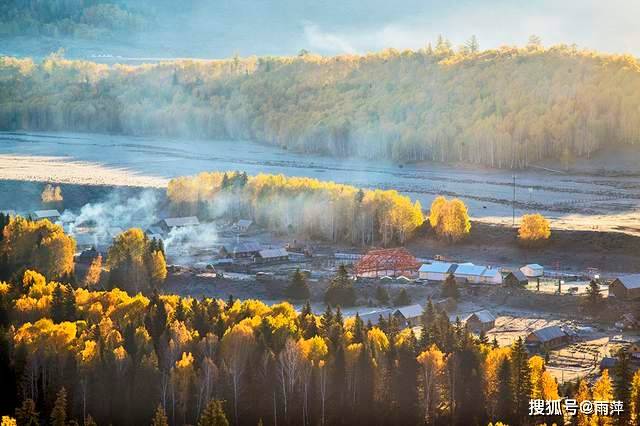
point(469, 273)
point(626, 287)
point(247, 250)
point(243, 225)
point(272, 255)
point(374, 317)
point(550, 337)
point(491, 276)
point(51, 215)
point(436, 271)
point(515, 278)
point(409, 316)
point(170, 223)
point(480, 321)
point(532, 270)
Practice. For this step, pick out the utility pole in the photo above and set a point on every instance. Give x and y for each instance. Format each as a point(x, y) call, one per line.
point(513, 204)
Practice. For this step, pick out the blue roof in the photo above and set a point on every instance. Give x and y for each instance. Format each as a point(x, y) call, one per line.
point(438, 267)
point(470, 269)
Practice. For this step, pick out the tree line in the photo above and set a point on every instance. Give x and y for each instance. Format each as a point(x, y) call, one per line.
point(303, 206)
point(122, 359)
point(505, 107)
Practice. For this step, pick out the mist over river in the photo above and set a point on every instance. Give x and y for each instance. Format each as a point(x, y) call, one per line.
point(571, 201)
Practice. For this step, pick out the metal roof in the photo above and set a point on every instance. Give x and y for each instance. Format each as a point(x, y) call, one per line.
point(518, 274)
point(438, 267)
point(248, 247)
point(271, 253)
point(470, 269)
point(44, 214)
point(533, 266)
point(484, 316)
point(244, 222)
point(375, 316)
point(630, 281)
point(411, 311)
point(549, 333)
point(173, 222)
point(491, 272)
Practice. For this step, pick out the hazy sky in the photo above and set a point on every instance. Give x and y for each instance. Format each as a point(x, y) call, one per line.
point(610, 25)
point(222, 28)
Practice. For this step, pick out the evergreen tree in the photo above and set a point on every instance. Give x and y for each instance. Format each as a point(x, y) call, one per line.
point(623, 382)
point(382, 296)
point(521, 379)
point(27, 415)
point(450, 287)
point(594, 299)
point(402, 299)
point(505, 397)
point(298, 289)
point(58, 311)
point(341, 290)
point(70, 310)
point(160, 418)
point(213, 415)
point(59, 412)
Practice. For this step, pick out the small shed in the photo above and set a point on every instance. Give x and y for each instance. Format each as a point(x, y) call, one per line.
point(241, 250)
point(178, 222)
point(272, 255)
point(51, 215)
point(634, 350)
point(436, 271)
point(550, 336)
point(409, 315)
point(470, 273)
point(626, 287)
point(480, 321)
point(532, 270)
point(515, 278)
point(87, 256)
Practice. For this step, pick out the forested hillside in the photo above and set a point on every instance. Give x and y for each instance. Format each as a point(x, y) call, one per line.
point(83, 19)
point(501, 108)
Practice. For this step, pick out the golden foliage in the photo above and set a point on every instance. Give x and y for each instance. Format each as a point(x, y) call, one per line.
point(41, 245)
point(51, 194)
point(534, 228)
point(311, 207)
point(449, 218)
point(412, 105)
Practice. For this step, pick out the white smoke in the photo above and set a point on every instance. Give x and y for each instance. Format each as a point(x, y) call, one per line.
point(189, 242)
point(117, 211)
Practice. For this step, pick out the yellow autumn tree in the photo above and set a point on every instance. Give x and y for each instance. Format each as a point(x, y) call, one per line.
point(536, 365)
point(432, 364)
point(450, 219)
point(534, 229)
point(583, 394)
point(92, 278)
point(40, 245)
point(603, 391)
point(634, 408)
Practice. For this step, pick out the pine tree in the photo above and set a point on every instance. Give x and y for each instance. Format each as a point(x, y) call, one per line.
point(160, 418)
point(213, 415)
point(521, 378)
point(70, 310)
point(27, 415)
point(58, 313)
point(450, 287)
point(623, 382)
point(59, 412)
point(382, 296)
point(594, 299)
point(505, 397)
point(298, 289)
point(402, 299)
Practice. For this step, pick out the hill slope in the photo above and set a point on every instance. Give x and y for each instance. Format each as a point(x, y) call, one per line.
point(500, 108)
